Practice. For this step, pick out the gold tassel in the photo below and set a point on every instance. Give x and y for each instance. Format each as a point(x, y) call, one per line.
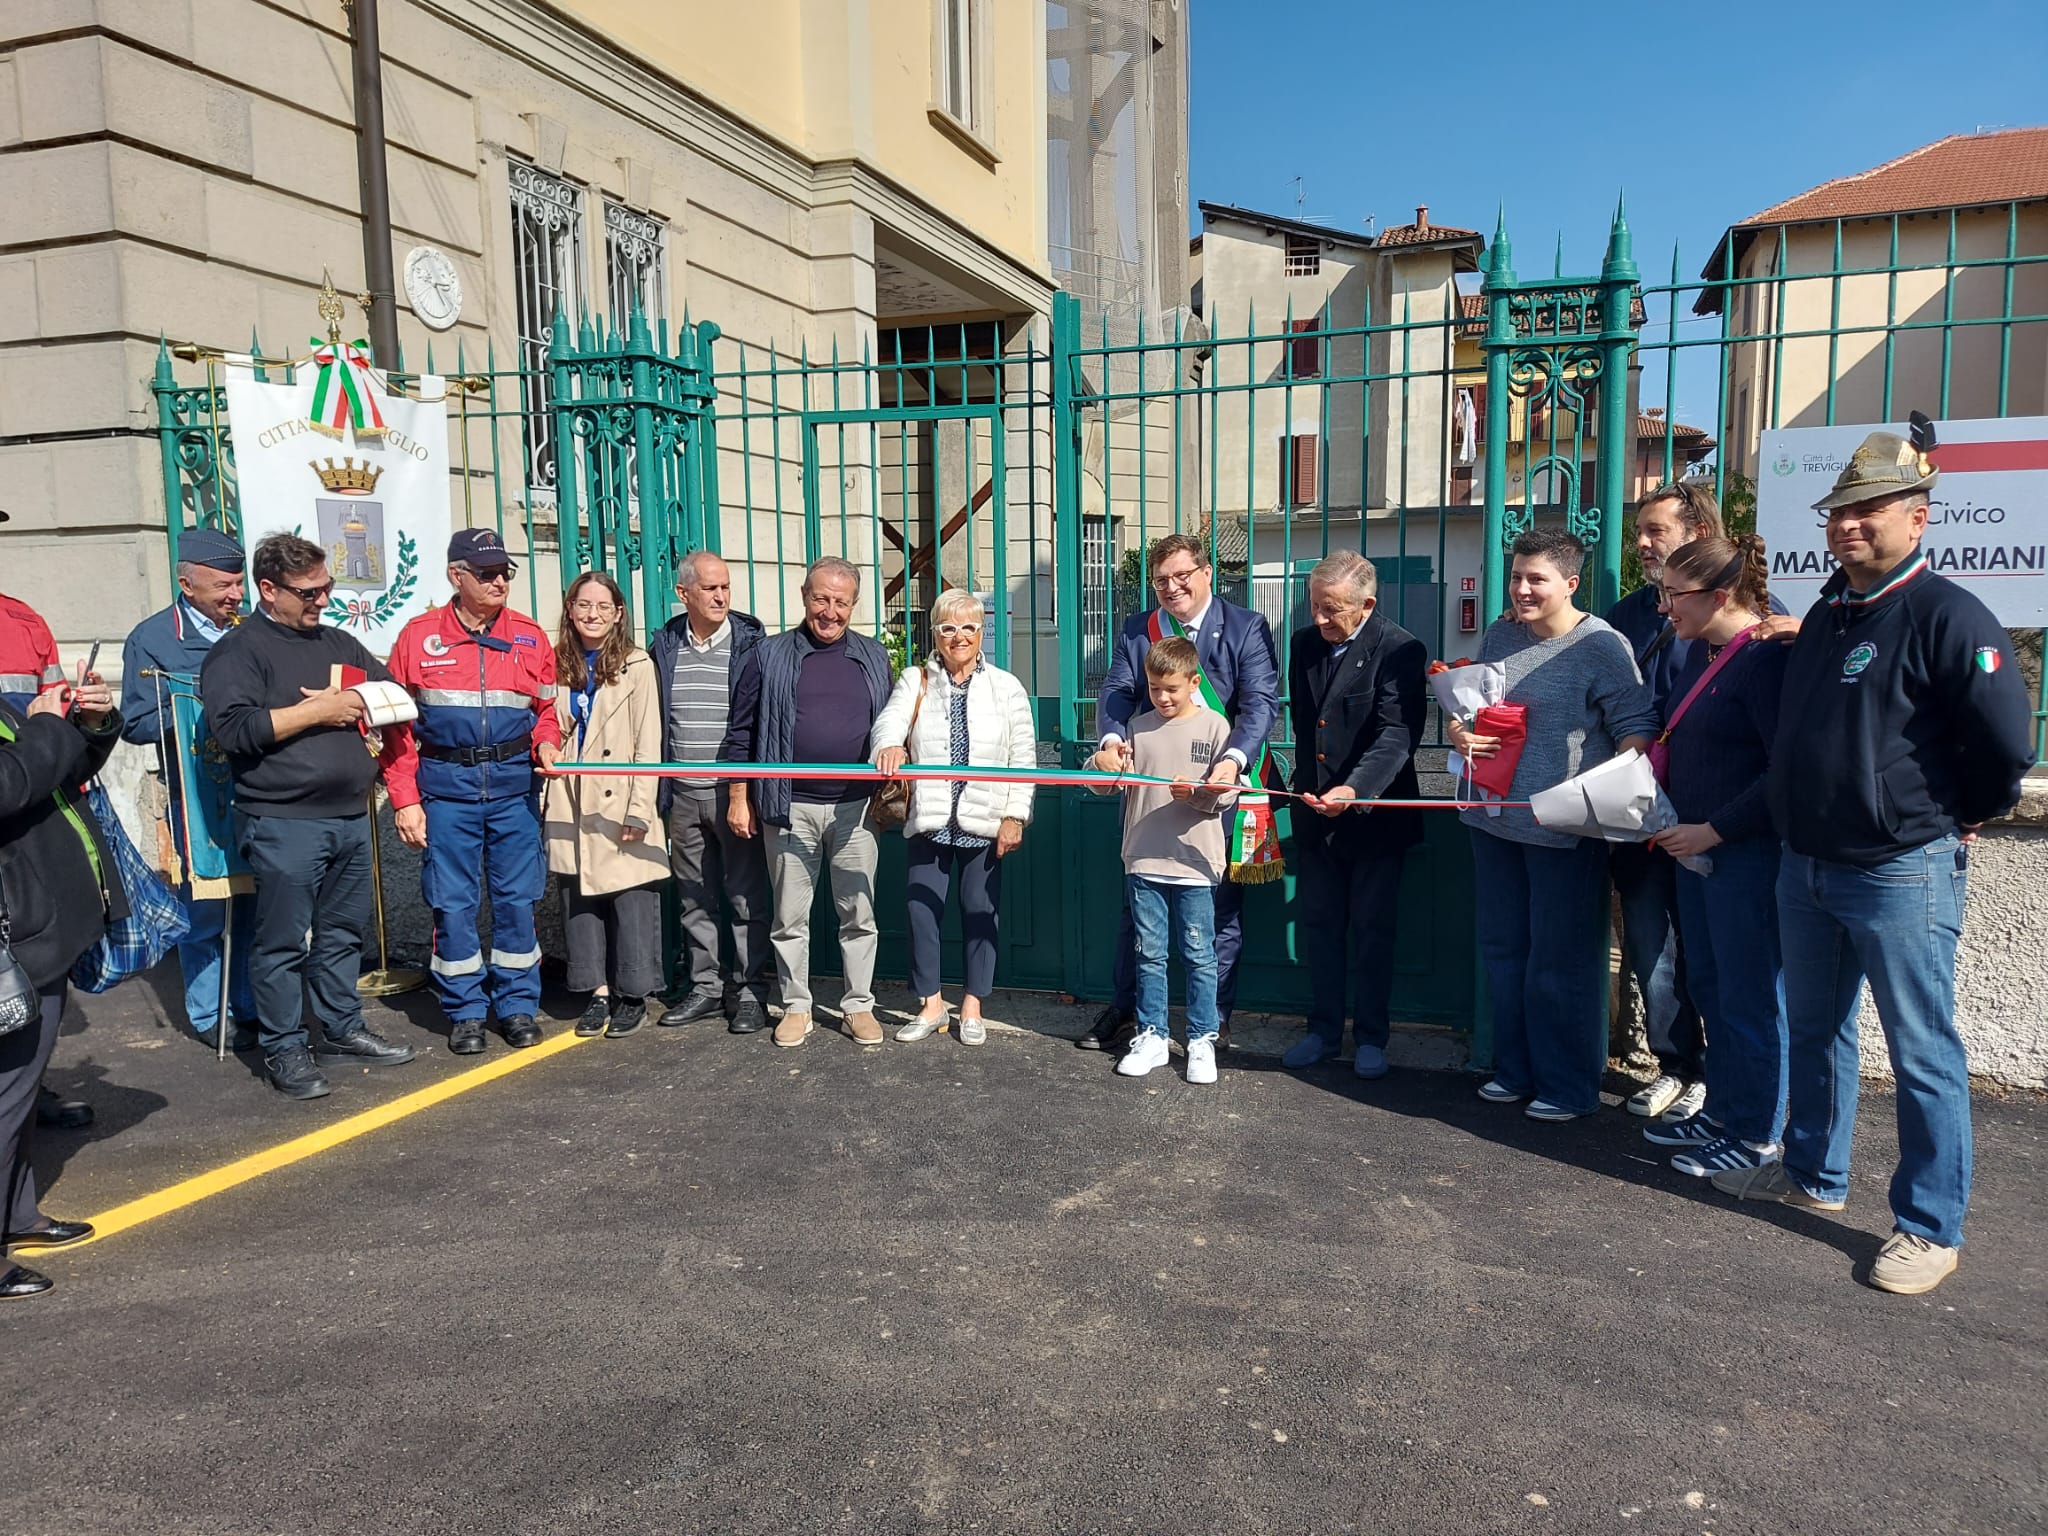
point(1259, 874)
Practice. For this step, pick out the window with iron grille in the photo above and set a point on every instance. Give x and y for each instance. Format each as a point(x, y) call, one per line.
point(1298, 455)
point(1307, 352)
point(635, 265)
point(1304, 256)
point(1095, 551)
point(547, 258)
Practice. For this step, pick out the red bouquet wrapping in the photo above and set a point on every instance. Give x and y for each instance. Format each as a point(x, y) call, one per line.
point(1509, 723)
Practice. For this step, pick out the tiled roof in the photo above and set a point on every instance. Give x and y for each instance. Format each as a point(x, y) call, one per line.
point(1960, 171)
point(1424, 234)
point(1656, 427)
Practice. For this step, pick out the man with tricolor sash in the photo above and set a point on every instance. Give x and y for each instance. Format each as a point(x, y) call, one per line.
point(1903, 727)
point(1240, 680)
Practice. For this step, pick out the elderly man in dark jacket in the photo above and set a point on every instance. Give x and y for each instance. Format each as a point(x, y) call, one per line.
point(58, 891)
point(696, 655)
point(810, 695)
point(1355, 686)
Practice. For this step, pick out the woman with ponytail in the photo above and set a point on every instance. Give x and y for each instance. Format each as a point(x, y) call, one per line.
point(1719, 724)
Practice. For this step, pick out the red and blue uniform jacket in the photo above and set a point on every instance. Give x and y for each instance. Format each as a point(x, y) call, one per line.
point(481, 697)
point(28, 653)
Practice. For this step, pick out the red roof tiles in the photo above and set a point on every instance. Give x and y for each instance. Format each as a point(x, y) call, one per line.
point(1963, 170)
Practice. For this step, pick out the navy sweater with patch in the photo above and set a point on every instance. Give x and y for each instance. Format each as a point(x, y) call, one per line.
point(1903, 719)
point(1721, 746)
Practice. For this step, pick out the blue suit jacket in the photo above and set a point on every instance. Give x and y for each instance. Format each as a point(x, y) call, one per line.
point(1236, 647)
point(166, 641)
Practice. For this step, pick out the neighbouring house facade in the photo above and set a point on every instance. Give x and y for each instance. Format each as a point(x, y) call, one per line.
point(813, 175)
point(1944, 245)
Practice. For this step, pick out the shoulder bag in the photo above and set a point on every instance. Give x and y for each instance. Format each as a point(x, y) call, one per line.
point(889, 806)
point(19, 1004)
point(1660, 749)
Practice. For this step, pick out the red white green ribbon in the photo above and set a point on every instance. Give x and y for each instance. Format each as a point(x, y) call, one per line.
point(1251, 840)
point(344, 393)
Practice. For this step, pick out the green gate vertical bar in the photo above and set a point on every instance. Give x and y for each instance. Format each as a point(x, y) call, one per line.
point(568, 531)
point(165, 386)
point(1066, 516)
point(1618, 278)
point(1500, 339)
point(654, 504)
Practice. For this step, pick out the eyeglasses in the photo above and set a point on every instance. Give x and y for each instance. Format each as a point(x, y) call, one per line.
point(1671, 592)
point(1178, 582)
point(948, 631)
point(488, 578)
point(593, 610)
point(318, 594)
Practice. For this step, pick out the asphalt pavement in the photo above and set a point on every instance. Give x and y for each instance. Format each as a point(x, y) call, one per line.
point(688, 1282)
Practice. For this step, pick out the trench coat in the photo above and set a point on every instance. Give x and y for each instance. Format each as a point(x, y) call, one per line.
point(583, 815)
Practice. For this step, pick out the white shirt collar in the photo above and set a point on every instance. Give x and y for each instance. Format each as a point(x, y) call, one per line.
point(690, 635)
point(1194, 626)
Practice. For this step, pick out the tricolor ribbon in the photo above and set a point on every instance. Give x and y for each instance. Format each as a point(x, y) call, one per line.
point(344, 391)
point(1251, 841)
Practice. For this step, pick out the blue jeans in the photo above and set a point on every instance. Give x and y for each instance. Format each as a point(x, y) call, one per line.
point(1229, 900)
point(1897, 925)
point(1653, 952)
point(1157, 913)
point(1732, 962)
point(1542, 937)
point(199, 957)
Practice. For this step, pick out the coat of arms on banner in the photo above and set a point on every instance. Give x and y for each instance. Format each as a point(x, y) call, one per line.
point(372, 507)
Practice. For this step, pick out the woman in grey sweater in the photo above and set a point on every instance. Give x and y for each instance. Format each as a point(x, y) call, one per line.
point(1542, 922)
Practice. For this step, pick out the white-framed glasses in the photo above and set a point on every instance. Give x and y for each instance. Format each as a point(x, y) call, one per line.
point(948, 631)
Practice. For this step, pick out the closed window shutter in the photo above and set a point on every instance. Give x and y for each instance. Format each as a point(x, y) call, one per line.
point(1308, 351)
point(1298, 469)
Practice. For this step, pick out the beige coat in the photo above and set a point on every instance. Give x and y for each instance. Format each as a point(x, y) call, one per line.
point(582, 815)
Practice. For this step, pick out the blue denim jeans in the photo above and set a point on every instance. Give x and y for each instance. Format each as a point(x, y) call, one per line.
point(1897, 925)
point(1732, 963)
point(1158, 913)
point(1653, 952)
point(1542, 937)
point(199, 961)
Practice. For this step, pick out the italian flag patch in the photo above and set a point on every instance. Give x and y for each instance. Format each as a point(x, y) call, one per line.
point(1988, 659)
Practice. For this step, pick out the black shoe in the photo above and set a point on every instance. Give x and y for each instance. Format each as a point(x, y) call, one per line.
point(58, 1234)
point(292, 1073)
point(592, 1020)
point(55, 1114)
point(1223, 1035)
point(627, 1017)
point(698, 1005)
point(520, 1031)
point(19, 1283)
point(466, 1036)
point(1113, 1030)
point(365, 1046)
point(749, 1018)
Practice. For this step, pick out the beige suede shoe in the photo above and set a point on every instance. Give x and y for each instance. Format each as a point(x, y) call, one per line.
point(1908, 1265)
point(865, 1028)
point(791, 1028)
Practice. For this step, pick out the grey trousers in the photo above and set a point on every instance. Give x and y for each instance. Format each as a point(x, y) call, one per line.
point(818, 835)
point(23, 1055)
point(712, 862)
point(614, 940)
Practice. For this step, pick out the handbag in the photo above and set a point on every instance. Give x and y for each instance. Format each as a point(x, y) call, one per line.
point(889, 806)
point(1660, 749)
point(156, 918)
point(18, 1001)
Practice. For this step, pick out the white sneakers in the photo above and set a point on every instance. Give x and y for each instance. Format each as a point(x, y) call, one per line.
point(1146, 1052)
point(1150, 1051)
point(1657, 1097)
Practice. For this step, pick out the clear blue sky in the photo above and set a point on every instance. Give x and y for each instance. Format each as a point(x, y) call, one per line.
point(1712, 112)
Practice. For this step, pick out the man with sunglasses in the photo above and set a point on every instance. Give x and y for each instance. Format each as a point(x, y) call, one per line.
point(303, 772)
point(463, 788)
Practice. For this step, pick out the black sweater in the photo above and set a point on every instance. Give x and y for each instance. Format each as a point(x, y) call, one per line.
point(1903, 718)
point(262, 665)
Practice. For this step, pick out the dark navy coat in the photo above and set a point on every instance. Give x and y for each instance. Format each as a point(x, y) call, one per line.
point(1236, 649)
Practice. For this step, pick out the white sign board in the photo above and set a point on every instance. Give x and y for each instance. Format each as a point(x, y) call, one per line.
point(361, 472)
point(1987, 521)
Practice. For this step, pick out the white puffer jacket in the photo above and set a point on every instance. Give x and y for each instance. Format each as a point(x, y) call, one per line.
point(1000, 734)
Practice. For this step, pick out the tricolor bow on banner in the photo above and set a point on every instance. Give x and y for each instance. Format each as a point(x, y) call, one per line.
point(1252, 841)
point(344, 390)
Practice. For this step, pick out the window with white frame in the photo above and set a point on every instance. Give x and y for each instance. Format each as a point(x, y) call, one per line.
point(1304, 256)
point(547, 260)
point(957, 51)
point(635, 265)
point(1095, 599)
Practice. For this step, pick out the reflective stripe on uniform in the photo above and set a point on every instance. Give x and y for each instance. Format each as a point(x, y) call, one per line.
point(471, 698)
point(546, 693)
point(22, 682)
point(467, 967)
point(52, 674)
point(504, 960)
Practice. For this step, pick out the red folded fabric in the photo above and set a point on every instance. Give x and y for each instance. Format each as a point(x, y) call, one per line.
point(1509, 723)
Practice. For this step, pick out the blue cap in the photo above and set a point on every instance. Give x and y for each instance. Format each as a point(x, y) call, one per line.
point(480, 547)
point(215, 551)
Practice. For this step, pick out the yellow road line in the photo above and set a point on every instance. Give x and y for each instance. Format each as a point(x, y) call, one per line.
point(256, 1164)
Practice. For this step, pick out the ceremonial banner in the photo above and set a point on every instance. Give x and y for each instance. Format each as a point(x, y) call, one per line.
point(1987, 516)
point(202, 798)
point(363, 473)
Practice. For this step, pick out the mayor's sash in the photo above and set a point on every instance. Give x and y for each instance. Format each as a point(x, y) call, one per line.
point(1251, 841)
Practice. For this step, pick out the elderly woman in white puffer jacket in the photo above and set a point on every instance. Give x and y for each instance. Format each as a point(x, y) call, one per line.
point(960, 710)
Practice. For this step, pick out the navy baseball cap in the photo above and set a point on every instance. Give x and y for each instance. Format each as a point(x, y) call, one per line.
point(214, 550)
point(480, 548)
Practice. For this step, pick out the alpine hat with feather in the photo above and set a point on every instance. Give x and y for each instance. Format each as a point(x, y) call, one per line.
point(1885, 464)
